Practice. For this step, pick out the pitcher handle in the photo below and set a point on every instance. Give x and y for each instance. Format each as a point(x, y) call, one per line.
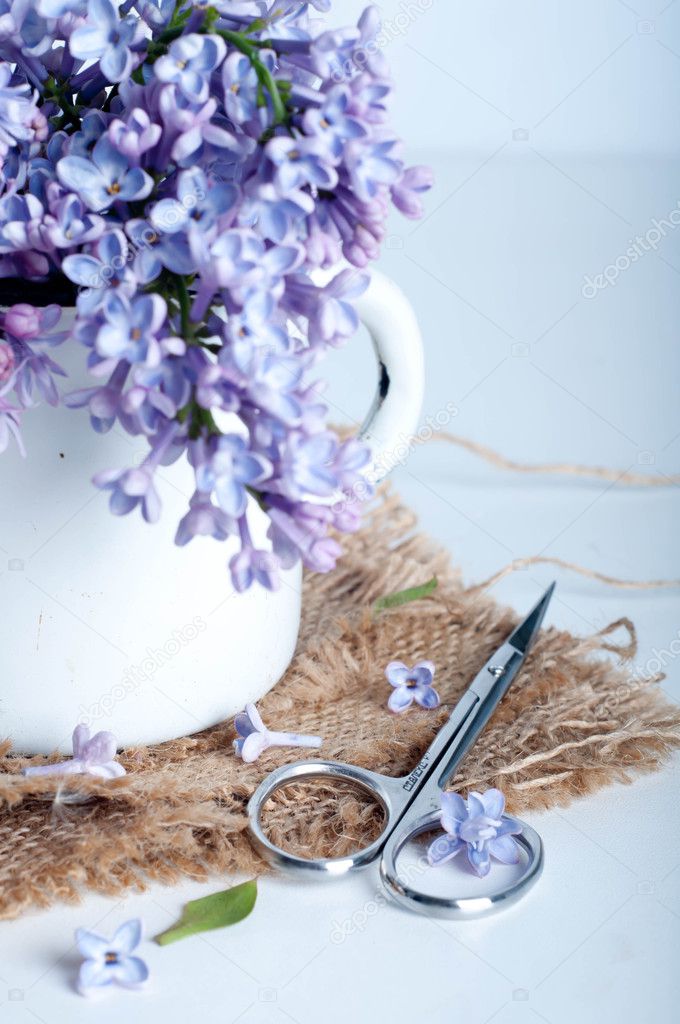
point(393, 417)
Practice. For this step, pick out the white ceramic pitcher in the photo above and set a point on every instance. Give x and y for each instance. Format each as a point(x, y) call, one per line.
point(104, 620)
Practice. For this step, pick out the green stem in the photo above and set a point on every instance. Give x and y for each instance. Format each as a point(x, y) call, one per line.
point(54, 90)
point(240, 40)
point(200, 420)
point(175, 25)
point(258, 496)
point(264, 75)
point(206, 419)
point(159, 46)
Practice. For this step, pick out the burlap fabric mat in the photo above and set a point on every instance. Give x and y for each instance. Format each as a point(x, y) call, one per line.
point(575, 721)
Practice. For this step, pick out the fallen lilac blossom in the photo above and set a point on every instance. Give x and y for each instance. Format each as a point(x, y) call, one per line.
point(254, 737)
point(91, 756)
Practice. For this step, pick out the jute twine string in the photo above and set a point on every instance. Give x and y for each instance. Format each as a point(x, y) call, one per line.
point(578, 719)
point(617, 476)
point(582, 570)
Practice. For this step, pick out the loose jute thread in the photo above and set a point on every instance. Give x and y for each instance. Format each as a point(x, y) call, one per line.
point(617, 476)
point(624, 477)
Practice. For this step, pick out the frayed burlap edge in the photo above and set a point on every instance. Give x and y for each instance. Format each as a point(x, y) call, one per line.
point(577, 720)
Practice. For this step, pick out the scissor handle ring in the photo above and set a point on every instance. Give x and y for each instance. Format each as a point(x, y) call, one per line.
point(371, 782)
point(462, 907)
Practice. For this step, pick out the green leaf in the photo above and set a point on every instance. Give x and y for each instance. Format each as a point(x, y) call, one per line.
point(404, 596)
point(215, 911)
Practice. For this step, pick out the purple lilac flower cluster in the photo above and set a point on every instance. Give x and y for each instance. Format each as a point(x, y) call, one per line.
point(188, 166)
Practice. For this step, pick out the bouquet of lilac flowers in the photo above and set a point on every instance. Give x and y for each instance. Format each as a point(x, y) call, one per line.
point(187, 167)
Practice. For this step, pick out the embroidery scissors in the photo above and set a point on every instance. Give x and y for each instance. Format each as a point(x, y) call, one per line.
point(411, 805)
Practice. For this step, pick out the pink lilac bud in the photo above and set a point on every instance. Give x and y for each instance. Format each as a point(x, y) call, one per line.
point(23, 321)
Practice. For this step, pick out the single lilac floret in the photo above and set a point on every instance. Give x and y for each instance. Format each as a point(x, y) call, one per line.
point(254, 737)
point(189, 63)
point(332, 123)
point(135, 136)
point(200, 203)
point(136, 488)
point(155, 250)
point(91, 756)
point(301, 162)
point(69, 223)
point(130, 489)
point(204, 520)
point(131, 327)
point(478, 826)
point(411, 684)
point(104, 179)
point(408, 191)
point(106, 37)
point(20, 118)
point(253, 565)
point(103, 403)
point(104, 268)
point(230, 470)
point(110, 961)
point(20, 221)
point(241, 85)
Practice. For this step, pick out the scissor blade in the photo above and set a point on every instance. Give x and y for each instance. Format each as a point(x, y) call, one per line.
point(524, 635)
point(496, 676)
point(471, 713)
point(486, 691)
